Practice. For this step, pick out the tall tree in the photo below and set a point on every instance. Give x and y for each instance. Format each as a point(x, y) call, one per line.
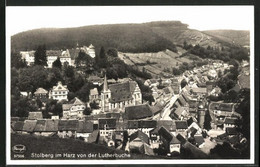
point(17, 61)
point(57, 63)
point(40, 56)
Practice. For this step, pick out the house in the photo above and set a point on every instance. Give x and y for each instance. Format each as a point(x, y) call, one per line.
point(28, 56)
point(18, 126)
point(137, 112)
point(120, 95)
point(179, 112)
point(35, 115)
point(29, 126)
point(232, 131)
point(151, 82)
point(212, 74)
point(25, 94)
point(132, 126)
point(84, 129)
point(170, 142)
point(215, 92)
point(93, 95)
point(41, 94)
point(52, 55)
point(95, 80)
point(67, 128)
point(46, 127)
point(65, 57)
point(170, 125)
point(93, 137)
point(107, 126)
point(146, 126)
point(229, 122)
point(199, 140)
point(222, 110)
point(59, 92)
point(199, 91)
point(90, 50)
point(137, 140)
point(74, 109)
point(181, 127)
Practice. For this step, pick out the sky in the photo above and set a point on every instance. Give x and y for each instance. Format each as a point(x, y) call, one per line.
point(20, 19)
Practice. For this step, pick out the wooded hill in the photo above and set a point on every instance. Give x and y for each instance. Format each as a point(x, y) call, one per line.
point(135, 38)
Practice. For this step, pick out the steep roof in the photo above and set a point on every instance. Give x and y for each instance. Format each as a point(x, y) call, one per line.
point(199, 139)
point(18, 126)
point(231, 131)
point(75, 101)
point(181, 124)
point(85, 127)
point(40, 126)
point(41, 91)
point(29, 125)
point(51, 125)
point(199, 90)
point(68, 125)
point(109, 122)
point(168, 124)
point(60, 87)
point(138, 112)
point(147, 124)
point(122, 91)
point(132, 124)
point(139, 134)
point(35, 115)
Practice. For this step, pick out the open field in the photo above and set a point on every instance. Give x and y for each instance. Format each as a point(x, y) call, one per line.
point(155, 63)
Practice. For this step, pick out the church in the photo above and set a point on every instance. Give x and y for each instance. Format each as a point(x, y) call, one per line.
point(119, 95)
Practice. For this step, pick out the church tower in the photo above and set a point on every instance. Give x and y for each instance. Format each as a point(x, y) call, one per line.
point(105, 96)
point(201, 114)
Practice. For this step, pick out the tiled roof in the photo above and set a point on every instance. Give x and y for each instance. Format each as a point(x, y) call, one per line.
point(110, 123)
point(93, 136)
point(40, 126)
point(41, 91)
point(168, 124)
point(139, 134)
point(60, 87)
point(68, 125)
point(76, 101)
point(147, 124)
point(51, 125)
point(199, 139)
point(181, 124)
point(179, 111)
point(18, 126)
point(85, 127)
point(35, 115)
point(29, 125)
point(66, 107)
point(122, 91)
point(132, 124)
point(138, 112)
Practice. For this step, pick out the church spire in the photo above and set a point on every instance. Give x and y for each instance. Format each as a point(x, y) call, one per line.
point(105, 87)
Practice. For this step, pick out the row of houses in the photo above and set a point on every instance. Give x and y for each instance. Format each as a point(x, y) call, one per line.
point(64, 55)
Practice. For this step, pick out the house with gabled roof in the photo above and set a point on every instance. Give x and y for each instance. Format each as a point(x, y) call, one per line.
point(29, 126)
point(18, 126)
point(59, 92)
point(84, 129)
point(73, 109)
point(169, 141)
point(93, 95)
point(41, 94)
point(46, 127)
point(120, 95)
point(107, 126)
point(67, 128)
point(138, 112)
point(137, 140)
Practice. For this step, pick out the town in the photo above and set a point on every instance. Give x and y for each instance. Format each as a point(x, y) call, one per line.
point(188, 114)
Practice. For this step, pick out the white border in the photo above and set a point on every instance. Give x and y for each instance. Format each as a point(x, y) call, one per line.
point(149, 161)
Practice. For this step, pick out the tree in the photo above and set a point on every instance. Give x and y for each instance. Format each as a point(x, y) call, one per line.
point(57, 63)
point(183, 83)
point(207, 122)
point(16, 61)
point(87, 111)
point(40, 56)
point(112, 52)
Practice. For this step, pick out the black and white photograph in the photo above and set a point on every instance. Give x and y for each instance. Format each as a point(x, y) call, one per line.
point(130, 85)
